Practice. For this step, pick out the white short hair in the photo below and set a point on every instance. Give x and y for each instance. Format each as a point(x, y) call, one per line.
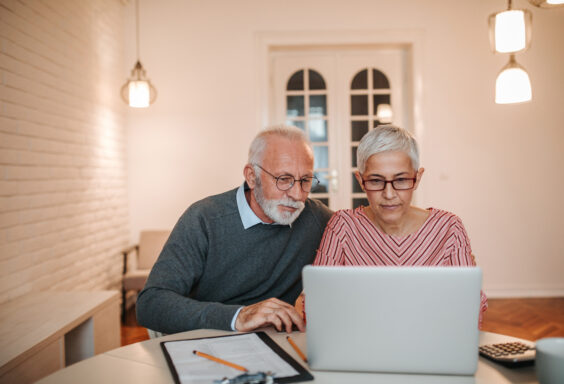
point(258, 145)
point(387, 138)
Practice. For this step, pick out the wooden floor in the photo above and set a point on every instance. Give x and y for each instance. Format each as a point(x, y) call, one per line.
point(131, 332)
point(529, 319)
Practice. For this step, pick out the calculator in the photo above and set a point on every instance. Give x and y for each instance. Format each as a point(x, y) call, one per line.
point(514, 354)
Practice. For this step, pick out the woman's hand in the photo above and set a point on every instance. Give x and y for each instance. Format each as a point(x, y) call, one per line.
point(300, 305)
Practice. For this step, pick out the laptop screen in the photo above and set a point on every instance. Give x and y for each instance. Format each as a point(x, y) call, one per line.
point(393, 319)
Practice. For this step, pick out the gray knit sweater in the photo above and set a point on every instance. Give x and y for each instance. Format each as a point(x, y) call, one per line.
point(211, 265)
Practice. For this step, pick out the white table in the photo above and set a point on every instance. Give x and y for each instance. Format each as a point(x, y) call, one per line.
point(145, 363)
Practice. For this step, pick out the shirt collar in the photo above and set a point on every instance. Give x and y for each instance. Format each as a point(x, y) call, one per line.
point(248, 217)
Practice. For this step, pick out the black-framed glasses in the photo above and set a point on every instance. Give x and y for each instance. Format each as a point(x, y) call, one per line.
point(285, 182)
point(399, 184)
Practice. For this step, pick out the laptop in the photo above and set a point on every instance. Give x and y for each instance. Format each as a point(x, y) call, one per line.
point(393, 319)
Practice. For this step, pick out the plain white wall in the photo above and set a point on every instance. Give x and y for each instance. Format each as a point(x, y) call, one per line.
point(499, 167)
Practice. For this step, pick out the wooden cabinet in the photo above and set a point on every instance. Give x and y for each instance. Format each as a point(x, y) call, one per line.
point(43, 332)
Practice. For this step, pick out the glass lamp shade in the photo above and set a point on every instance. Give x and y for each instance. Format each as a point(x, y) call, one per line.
point(510, 31)
point(547, 3)
point(138, 92)
point(384, 113)
point(512, 84)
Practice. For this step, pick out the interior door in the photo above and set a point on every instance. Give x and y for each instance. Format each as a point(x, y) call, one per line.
point(333, 95)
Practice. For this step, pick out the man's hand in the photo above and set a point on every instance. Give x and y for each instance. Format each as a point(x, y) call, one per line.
point(269, 312)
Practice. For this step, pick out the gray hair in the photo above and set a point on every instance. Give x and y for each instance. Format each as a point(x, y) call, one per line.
point(258, 145)
point(387, 138)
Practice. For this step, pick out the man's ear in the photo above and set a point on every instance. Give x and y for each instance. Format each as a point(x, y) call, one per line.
point(250, 176)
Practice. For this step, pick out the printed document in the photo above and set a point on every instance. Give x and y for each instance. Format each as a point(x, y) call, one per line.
point(247, 350)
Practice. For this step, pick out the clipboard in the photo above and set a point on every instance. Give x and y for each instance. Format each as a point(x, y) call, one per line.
point(178, 356)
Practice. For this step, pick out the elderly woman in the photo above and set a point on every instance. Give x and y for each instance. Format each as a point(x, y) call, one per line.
point(391, 231)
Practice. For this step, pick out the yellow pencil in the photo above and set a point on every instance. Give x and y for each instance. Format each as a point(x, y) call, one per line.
point(298, 350)
point(221, 361)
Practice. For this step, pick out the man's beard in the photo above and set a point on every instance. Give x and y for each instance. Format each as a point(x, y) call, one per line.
point(270, 207)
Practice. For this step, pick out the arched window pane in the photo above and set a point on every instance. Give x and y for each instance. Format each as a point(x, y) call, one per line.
point(316, 80)
point(321, 157)
point(318, 105)
point(294, 106)
point(380, 99)
point(359, 129)
point(356, 186)
point(371, 89)
point(318, 130)
point(306, 107)
point(296, 123)
point(296, 82)
point(360, 81)
point(323, 185)
point(359, 105)
point(379, 80)
point(358, 202)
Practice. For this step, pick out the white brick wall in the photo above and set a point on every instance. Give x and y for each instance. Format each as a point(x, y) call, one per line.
point(63, 197)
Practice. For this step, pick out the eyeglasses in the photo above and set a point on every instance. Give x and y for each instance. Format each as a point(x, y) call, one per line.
point(400, 184)
point(285, 182)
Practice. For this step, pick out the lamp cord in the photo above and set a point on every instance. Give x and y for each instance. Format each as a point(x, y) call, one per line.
point(137, 26)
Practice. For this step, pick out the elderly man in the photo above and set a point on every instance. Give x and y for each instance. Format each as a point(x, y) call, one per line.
point(233, 261)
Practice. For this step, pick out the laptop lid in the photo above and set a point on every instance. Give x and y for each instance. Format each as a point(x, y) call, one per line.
point(393, 319)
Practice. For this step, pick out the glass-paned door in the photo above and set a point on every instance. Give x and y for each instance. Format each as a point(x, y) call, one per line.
point(306, 108)
point(333, 95)
point(303, 100)
point(369, 90)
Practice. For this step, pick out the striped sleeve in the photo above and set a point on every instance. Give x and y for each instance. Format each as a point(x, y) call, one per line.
point(462, 251)
point(462, 255)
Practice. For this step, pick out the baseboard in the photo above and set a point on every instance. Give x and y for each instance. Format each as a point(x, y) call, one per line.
point(507, 293)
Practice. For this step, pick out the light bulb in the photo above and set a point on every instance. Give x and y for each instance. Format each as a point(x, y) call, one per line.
point(139, 94)
point(384, 113)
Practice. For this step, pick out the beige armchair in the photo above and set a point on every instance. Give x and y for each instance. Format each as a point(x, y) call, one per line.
point(136, 270)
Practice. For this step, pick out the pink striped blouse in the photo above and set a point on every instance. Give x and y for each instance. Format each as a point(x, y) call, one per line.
point(350, 238)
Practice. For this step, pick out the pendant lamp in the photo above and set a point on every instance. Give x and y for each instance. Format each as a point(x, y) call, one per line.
point(512, 84)
point(510, 30)
point(138, 92)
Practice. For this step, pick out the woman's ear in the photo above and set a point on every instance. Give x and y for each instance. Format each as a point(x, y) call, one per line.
point(419, 175)
point(359, 179)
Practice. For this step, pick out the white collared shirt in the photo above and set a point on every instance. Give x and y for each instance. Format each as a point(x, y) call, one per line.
point(248, 217)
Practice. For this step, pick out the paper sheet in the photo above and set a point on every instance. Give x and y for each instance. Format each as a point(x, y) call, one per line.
point(247, 350)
